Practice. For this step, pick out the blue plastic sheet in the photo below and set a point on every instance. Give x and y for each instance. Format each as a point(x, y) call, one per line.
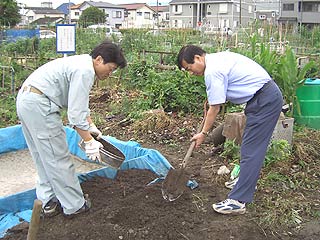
point(18, 206)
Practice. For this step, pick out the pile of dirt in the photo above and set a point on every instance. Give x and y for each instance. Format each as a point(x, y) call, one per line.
point(126, 208)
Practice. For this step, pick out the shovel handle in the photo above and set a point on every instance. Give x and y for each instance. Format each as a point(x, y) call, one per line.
point(188, 154)
point(193, 143)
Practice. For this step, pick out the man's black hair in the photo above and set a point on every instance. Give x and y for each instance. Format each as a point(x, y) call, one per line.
point(110, 53)
point(187, 54)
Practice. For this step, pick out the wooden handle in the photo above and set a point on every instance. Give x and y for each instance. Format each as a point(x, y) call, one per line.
point(192, 145)
point(35, 220)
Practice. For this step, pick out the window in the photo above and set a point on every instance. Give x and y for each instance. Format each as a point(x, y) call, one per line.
point(262, 17)
point(310, 7)
point(250, 9)
point(167, 16)
point(223, 8)
point(76, 13)
point(147, 15)
point(177, 8)
point(116, 14)
point(139, 13)
point(288, 7)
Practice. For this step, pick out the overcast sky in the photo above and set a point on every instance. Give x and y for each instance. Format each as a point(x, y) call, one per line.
point(57, 3)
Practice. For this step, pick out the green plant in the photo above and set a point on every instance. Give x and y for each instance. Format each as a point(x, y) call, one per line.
point(279, 150)
point(231, 151)
point(290, 76)
point(8, 113)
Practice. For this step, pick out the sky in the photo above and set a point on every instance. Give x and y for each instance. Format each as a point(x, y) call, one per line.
point(57, 3)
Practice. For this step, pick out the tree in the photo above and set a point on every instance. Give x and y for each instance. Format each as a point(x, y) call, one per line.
point(92, 15)
point(9, 13)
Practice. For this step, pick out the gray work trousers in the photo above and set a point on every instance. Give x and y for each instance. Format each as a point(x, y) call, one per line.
point(262, 113)
point(46, 140)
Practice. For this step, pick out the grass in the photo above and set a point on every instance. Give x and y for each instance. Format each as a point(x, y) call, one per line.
point(288, 190)
point(8, 113)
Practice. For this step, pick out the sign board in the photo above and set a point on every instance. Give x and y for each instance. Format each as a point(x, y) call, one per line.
point(66, 38)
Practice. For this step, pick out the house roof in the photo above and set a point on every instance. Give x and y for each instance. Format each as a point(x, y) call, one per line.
point(64, 7)
point(76, 6)
point(41, 10)
point(46, 20)
point(195, 1)
point(101, 4)
point(135, 6)
point(161, 8)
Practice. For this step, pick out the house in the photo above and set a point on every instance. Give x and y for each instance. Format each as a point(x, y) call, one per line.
point(210, 14)
point(75, 13)
point(163, 15)
point(66, 9)
point(33, 14)
point(114, 13)
point(139, 15)
point(48, 21)
point(267, 11)
point(300, 12)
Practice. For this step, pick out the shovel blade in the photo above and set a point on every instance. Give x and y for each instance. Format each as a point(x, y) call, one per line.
point(174, 184)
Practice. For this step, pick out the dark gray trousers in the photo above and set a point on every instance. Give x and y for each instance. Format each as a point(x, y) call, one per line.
point(262, 113)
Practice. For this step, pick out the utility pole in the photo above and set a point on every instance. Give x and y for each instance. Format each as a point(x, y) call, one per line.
point(69, 13)
point(157, 14)
point(240, 12)
point(198, 13)
point(301, 14)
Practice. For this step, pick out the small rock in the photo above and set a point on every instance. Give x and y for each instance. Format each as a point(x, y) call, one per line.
point(223, 170)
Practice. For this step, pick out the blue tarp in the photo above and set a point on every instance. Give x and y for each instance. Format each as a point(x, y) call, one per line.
point(18, 206)
point(12, 35)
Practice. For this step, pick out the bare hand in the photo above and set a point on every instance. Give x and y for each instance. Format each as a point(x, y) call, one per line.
point(199, 138)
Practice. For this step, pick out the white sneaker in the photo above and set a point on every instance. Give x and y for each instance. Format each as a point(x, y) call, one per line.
point(230, 206)
point(230, 184)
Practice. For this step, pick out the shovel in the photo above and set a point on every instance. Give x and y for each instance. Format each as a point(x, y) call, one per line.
point(176, 180)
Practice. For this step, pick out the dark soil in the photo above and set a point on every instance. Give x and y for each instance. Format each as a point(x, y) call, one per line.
point(126, 208)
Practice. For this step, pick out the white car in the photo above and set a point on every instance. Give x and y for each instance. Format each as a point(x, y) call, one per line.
point(109, 30)
point(47, 34)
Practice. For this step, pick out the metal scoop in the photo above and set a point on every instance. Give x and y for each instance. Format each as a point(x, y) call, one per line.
point(111, 156)
point(176, 180)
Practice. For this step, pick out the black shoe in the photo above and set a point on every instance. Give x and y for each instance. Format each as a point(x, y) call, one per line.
point(85, 208)
point(52, 208)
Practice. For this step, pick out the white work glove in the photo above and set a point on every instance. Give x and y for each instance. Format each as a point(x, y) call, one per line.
point(95, 131)
point(92, 150)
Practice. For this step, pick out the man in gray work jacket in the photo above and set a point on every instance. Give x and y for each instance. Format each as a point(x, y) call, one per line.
point(233, 77)
point(63, 83)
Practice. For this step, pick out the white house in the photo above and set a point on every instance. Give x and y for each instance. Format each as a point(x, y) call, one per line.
point(114, 13)
point(75, 13)
point(35, 13)
point(139, 15)
point(163, 15)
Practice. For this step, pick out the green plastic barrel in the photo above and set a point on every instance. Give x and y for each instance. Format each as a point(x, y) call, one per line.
point(307, 107)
